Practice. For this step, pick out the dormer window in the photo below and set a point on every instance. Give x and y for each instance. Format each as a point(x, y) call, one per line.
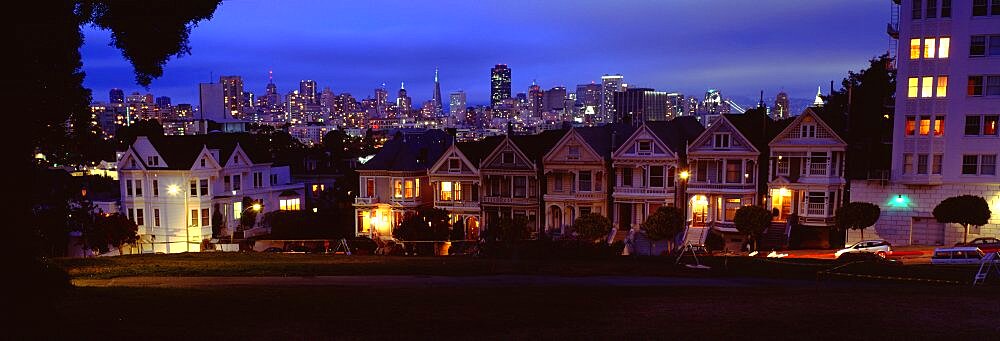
point(454, 165)
point(574, 153)
point(507, 158)
point(721, 141)
point(153, 160)
point(644, 147)
point(203, 162)
point(808, 131)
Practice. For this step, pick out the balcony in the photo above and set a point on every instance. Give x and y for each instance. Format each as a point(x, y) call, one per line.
point(720, 186)
point(456, 204)
point(892, 30)
point(576, 196)
point(509, 201)
point(364, 201)
point(651, 191)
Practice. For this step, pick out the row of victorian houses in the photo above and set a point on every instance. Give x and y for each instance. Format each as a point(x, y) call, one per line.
point(793, 167)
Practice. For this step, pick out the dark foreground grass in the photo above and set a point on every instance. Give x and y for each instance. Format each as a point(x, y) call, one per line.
point(798, 312)
point(266, 264)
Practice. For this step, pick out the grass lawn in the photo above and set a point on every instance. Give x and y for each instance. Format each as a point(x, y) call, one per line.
point(801, 313)
point(268, 264)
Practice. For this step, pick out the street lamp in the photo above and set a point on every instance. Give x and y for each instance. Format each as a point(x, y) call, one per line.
point(256, 207)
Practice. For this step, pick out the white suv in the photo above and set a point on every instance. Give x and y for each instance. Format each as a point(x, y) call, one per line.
point(878, 247)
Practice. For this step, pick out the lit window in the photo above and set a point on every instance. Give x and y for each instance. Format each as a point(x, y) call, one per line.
point(926, 86)
point(929, 47)
point(915, 48)
point(408, 189)
point(990, 124)
point(912, 87)
point(289, 204)
point(942, 86)
point(397, 188)
point(943, 44)
point(445, 190)
point(925, 125)
point(194, 217)
point(938, 125)
point(237, 209)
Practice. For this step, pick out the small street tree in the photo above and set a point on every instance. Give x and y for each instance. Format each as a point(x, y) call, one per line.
point(248, 217)
point(857, 216)
point(966, 210)
point(218, 221)
point(458, 230)
point(752, 221)
point(112, 230)
point(592, 226)
point(664, 224)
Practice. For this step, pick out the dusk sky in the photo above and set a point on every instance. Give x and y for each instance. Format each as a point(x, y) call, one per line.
point(739, 47)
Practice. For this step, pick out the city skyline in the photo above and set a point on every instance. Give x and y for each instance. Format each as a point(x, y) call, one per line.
point(348, 68)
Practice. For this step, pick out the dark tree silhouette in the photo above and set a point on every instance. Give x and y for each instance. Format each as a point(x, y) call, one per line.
point(857, 216)
point(591, 226)
point(664, 224)
point(752, 221)
point(965, 210)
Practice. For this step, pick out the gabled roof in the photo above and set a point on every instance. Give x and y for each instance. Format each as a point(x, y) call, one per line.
point(677, 133)
point(814, 112)
point(600, 138)
point(757, 127)
point(410, 152)
point(536, 146)
point(181, 151)
point(475, 151)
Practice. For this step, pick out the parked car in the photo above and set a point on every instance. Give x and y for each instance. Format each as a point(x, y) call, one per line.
point(879, 247)
point(959, 255)
point(299, 249)
point(987, 244)
point(273, 249)
point(362, 245)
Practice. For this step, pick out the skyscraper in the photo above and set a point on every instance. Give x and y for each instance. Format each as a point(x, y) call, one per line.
point(381, 101)
point(536, 100)
point(637, 105)
point(499, 84)
point(307, 89)
point(781, 106)
point(610, 84)
point(588, 95)
point(555, 99)
point(404, 104)
point(211, 102)
point(438, 107)
point(163, 101)
point(456, 103)
point(116, 95)
point(232, 95)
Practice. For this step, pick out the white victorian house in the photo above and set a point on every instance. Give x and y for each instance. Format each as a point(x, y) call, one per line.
point(806, 178)
point(172, 186)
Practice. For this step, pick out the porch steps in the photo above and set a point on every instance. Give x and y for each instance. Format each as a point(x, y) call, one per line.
point(695, 235)
point(619, 235)
point(774, 237)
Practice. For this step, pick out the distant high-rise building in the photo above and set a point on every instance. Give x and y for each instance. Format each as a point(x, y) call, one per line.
point(163, 101)
point(675, 105)
point(457, 103)
point(499, 84)
point(116, 96)
point(232, 95)
point(588, 95)
point(271, 99)
point(381, 101)
point(637, 105)
point(555, 99)
point(438, 106)
point(404, 104)
point(781, 106)
point(211, 102)
point(307, 89)
point(326, 98)
point(135, 97)
point(610, 84)
point(536, 100)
